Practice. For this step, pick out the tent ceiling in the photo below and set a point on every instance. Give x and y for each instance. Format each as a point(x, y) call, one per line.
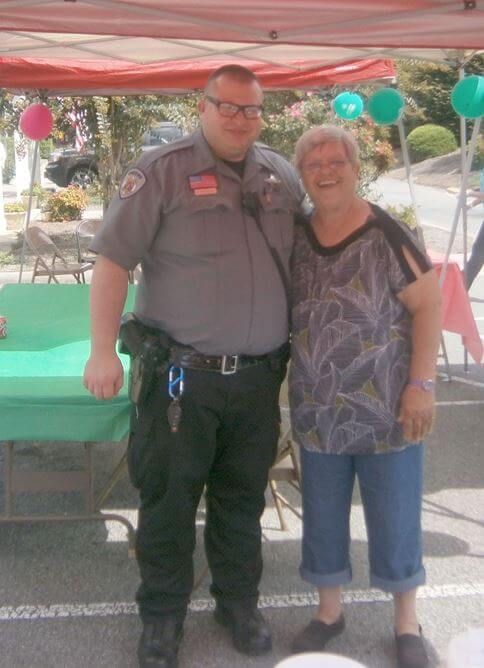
point(264, 31)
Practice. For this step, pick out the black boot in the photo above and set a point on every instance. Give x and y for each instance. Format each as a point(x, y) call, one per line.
point(159, 642)
point(250, 632)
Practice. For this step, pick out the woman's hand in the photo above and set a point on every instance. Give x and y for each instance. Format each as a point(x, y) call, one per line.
point(417, 413)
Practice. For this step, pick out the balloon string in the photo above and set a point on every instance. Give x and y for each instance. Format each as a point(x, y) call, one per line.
point(406, 161)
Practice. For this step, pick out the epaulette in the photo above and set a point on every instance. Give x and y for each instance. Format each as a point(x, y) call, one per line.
point(261, 145)
point(153, 154)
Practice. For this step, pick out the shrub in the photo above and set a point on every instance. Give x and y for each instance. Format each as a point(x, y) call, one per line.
point(9, 167)
point(6, 258)
point(284, 126)
point(14, 207)
point(430, 141)
point(37, 191)
point(67, 203)
point(405, 214)
point(45, 148)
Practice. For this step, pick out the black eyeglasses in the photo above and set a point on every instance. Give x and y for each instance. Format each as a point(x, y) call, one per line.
point(230, 109)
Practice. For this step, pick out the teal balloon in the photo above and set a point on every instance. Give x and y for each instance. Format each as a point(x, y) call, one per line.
point(386, 106)
point(467, 97)
point(348, 105)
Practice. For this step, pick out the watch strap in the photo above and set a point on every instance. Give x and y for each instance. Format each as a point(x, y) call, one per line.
point(426, 385)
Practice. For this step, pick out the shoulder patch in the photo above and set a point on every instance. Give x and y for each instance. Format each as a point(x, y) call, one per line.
point(132, 181)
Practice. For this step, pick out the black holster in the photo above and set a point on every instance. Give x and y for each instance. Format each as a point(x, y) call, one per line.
point(148, 349)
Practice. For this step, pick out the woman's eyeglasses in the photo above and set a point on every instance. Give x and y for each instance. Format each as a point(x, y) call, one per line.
point(317, 166)
point(230, 109)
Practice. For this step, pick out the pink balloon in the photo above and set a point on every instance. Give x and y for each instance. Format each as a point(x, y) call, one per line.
point(36, 121)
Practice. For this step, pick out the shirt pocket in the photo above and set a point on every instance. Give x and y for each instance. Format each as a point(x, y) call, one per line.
point(278, 210)
point(192, 230)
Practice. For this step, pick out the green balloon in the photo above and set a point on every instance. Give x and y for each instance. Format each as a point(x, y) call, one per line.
point(386, 106)
point(467, 97)
point(348, 105)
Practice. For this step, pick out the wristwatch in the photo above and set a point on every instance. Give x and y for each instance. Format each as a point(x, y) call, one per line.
point(426, 385)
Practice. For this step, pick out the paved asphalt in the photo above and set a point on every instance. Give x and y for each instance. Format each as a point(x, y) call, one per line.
point(68, 589)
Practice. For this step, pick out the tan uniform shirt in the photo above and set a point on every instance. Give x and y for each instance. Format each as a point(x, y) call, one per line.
point(208, 278)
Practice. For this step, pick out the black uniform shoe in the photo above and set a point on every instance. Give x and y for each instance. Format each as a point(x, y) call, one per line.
point(315, 635)
point(250, 632)
point(159, 643)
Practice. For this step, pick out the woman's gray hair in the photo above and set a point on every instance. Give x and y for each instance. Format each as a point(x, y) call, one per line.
point(321, 134)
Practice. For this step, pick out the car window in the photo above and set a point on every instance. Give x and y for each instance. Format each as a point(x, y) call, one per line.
point(161, 135)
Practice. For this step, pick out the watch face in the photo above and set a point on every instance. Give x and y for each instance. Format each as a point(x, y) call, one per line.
point(428, 385)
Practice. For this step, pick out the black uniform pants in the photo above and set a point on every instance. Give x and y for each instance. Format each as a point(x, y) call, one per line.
point(227, 441)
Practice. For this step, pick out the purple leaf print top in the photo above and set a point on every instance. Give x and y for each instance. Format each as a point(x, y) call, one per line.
point(351, 337)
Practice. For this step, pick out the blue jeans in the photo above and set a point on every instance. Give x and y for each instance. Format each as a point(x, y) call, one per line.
point(391, 492)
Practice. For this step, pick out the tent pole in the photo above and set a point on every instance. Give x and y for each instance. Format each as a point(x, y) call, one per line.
point(463, 149)
point(29, 209)
point(406, 161)
point(462, 195)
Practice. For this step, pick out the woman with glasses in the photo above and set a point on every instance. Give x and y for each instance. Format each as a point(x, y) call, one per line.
point(365, 337)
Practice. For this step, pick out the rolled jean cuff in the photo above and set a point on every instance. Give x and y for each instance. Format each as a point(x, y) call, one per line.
point(399, 586)
point(328, 580)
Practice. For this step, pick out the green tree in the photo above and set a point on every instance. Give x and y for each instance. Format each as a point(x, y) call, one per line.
point(427, 88)
point(115, 125)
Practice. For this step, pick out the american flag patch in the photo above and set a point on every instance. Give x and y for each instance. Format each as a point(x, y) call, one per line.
point(203, 182)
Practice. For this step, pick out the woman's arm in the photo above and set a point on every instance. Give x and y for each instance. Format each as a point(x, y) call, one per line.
point(422, 299)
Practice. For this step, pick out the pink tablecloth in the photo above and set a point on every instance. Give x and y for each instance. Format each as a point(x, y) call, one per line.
point(456, 308)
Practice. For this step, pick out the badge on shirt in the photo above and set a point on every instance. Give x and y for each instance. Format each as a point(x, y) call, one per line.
point(272, 183)
point(133, 181)
point(203, 184)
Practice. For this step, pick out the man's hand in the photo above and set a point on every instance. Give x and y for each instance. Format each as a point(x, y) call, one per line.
point(103, 375)
point(417, 413)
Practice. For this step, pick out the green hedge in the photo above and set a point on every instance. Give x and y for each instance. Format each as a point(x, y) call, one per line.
point(430, 141)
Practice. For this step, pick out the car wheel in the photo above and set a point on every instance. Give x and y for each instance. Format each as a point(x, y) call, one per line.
point(82, 177)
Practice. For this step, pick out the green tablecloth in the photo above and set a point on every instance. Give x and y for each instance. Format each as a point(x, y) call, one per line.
point(41, 365)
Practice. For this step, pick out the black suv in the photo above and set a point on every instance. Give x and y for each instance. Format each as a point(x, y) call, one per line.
point(67, 166)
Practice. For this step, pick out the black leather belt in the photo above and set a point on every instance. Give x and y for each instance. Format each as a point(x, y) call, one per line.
point(224, 364)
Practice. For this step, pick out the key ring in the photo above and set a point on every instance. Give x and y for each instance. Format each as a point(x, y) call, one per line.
point(176, 376)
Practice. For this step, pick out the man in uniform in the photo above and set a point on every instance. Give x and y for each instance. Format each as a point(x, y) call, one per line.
point(210, 218)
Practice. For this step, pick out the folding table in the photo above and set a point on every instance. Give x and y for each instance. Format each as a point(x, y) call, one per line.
point(42, 397)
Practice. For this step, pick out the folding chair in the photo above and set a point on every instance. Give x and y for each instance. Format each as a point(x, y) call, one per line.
point(85, 232)
point(47, 254)
point(286, 469)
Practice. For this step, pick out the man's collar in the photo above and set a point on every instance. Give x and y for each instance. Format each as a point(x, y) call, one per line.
point(205, 159)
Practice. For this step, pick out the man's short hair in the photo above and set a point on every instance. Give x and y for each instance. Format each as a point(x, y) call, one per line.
point(236, 72)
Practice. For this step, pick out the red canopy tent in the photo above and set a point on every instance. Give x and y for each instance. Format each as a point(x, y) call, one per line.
point(85, 77)
point(287, 40)
point(271, 31)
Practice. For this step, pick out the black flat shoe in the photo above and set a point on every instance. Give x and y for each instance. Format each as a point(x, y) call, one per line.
point(411, 652)
point(159, 643)
point(250, 632)
point(315, 635)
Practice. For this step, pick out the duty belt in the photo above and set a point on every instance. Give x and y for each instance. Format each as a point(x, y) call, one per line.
point(224, 364)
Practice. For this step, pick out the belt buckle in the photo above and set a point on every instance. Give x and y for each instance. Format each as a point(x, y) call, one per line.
point(230, 364)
